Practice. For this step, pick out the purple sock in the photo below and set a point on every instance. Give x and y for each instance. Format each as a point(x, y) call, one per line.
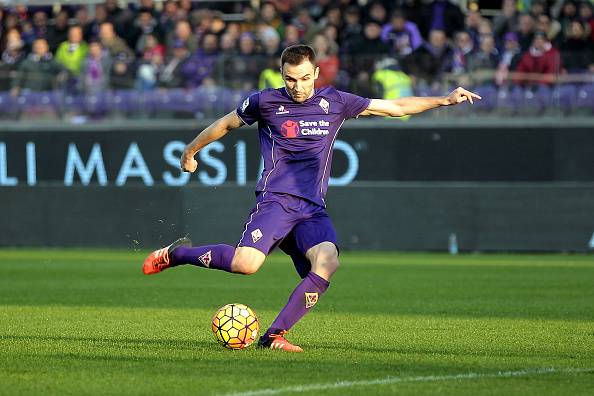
point(304, 297)
point(210, 256)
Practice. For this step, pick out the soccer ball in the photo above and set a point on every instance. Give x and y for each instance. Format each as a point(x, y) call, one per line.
point(235, 326)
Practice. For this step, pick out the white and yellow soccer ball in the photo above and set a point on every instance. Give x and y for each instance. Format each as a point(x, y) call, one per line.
point(235, 326)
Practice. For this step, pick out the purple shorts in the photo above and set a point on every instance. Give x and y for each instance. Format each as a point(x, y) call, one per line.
point(294, 223)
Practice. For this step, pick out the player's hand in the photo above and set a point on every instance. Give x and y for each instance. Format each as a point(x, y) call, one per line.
point(460, 95)
point(188, 163)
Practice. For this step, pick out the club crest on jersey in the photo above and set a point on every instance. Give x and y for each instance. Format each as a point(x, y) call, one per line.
point(325, 105)
point(206, 258)
point(310, 299)
point(290, 129)
point(281, 110)
point(256, 235)
point(245, 104)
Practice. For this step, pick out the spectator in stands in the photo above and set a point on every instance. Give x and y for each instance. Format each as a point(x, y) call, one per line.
point(150, 65)
point(331, 33)
point(248, 62)
point(526, 28)
point(114, 13)
point(234, 30)
point(328, 63)
point(145, 25)
point(507, 20)
point(39, 24)
point(271, 45)
point(95, 69)
point(28, 35)
point(183, 33)
point(441, 15)
point(550, 28)
point(586, 14)
point(270, 16)
point(114, 44)
point(377, 13)
point(576, 53)
point(332, 17)
point(509, 59)
point(473, 23)
point(307, 27)
point(227, 46)
point(250, 20)
point(39, 71)
point(401, 35)
point(200, 66)
point(568, 13)
point(389, 81)
point(122, 73)
point(430, 60)
point(366, 48)
point(267, 34)
point(291, 36)
point(168, 17)
point(463, 48)
point(172, 74)
point(483, 62)
point(541, 64)
point(351, 31)
point(58, 32)
point(538, 8)
point(72, 53)
point(81, 18)
point(12, 56)
point(271, 76)
point(93, 29)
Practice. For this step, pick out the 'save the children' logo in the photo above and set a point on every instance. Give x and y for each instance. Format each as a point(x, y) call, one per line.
point(292, 129)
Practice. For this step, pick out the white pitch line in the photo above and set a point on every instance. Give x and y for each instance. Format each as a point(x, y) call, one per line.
point(396, 380)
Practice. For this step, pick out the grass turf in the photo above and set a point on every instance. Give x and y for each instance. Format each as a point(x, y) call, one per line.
point(88, 322)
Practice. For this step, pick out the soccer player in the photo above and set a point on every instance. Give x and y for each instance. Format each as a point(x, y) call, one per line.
point(297, 126)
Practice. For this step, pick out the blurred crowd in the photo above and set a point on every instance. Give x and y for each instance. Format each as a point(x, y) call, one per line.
point(374, 47)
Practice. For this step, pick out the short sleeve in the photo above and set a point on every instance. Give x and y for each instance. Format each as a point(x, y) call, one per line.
point(249, 110)
point(353, 104)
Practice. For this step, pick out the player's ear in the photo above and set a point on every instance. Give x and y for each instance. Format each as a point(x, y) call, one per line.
point(316, 72)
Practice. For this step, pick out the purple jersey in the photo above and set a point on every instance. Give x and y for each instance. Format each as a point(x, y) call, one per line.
point(296, 139)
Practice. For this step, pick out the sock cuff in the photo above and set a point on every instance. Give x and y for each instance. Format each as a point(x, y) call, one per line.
point(318, 280)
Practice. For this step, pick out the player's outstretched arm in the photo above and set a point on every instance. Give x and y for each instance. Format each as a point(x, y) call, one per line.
point(213, 132)
point(413, 105)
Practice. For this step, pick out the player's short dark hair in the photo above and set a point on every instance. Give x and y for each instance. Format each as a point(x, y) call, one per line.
point(297, 54)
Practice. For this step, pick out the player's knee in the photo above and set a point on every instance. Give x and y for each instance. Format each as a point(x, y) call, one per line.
point(246, 264)
point(326, 260)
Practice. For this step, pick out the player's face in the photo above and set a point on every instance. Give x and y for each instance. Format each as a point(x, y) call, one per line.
point(299, 80)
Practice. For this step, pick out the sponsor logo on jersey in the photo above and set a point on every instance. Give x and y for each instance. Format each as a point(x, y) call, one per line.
point(256, 235)
point(309, 128)
point(245, 104)
point(206, 258)
point(324, 105)
point(281, 110)
point(290, 129)
point(310, 299)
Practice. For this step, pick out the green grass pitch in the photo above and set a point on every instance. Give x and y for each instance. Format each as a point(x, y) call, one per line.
point(88, 322)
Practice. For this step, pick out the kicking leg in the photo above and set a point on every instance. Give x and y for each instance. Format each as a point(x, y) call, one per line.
point(240, 260)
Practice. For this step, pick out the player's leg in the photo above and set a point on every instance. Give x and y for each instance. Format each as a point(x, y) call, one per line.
point(259, 237)
point(316, 239)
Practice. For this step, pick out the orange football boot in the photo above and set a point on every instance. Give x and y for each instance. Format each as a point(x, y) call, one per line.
point(278, 341)
point(158, 260)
